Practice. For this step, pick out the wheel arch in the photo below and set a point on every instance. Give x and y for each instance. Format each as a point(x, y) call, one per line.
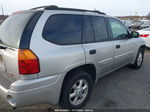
point(142, 46)
point(90, 68)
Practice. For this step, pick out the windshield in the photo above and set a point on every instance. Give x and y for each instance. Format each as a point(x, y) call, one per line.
point(12, 28)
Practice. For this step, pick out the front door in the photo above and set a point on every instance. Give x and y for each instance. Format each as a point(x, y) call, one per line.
point(123, 44)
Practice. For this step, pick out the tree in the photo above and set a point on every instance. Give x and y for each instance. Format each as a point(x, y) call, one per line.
point(148, 16)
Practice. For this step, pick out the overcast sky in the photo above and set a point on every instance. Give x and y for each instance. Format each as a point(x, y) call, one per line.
point(111, 7)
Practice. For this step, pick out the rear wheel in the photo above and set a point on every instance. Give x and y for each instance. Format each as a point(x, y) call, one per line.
point(139, 59)
point(76, 90)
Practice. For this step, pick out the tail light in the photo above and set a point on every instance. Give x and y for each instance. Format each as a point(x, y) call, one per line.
point(144, 35)
point(28, 62)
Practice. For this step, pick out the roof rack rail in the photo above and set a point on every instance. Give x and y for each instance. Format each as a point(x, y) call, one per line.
point(54, 7)
point(44, 7)
point(96, 11)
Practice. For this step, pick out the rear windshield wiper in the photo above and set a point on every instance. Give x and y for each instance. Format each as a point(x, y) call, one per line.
point(2, 47)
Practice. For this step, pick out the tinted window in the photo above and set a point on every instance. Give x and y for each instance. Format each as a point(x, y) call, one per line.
point(88, 34)
point(118, 29)
point(63, 29)
point(12, 28)
point(99, 28)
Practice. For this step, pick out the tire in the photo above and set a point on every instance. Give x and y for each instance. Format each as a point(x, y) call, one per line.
point(76, 90)
point(139, 59)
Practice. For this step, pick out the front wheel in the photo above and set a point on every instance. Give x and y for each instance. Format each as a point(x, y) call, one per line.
point(139, 59)
point(76, 90)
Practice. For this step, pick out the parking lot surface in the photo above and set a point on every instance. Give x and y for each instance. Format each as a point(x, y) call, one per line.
point(124, 88)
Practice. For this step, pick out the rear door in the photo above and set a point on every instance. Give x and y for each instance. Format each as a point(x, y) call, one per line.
point(98, 48)
point(123, 44)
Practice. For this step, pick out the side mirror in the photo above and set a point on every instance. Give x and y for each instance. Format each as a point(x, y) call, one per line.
point(134, 34)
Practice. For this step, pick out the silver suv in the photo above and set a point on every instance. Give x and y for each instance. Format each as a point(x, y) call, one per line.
point(55, 55)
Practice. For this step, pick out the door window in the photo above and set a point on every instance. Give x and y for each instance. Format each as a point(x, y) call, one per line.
point(100, 29)
point(94, 29)
point(119, 31)
point(88, 34)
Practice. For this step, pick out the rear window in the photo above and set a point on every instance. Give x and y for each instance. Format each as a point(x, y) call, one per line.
point(12, 28)
point(63, 29)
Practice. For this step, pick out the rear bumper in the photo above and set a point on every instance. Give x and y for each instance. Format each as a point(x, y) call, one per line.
point(30, 92)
